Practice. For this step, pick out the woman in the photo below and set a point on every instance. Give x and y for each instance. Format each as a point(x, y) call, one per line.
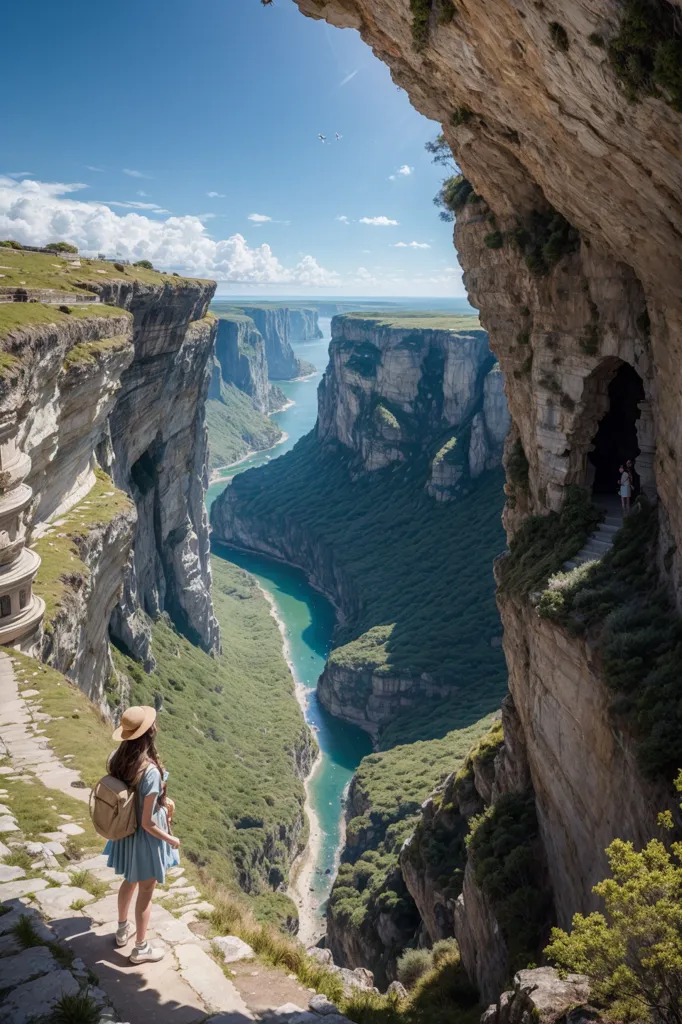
point(624, 488)
point(143, 857)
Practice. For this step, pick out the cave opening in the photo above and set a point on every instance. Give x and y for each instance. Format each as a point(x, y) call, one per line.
point(617, 438)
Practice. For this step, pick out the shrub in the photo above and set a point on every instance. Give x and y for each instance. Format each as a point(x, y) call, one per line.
point(544, 238)
point(454, 194)
point(64, 309)
point(646, 55)
point(543, 543)
point(559, 36)
point(144, 264)
point(412, 965)
point(495, 240)
point(62, 247)
point(460, 116)
point(10, 243)
point(444, 950)
point(421, 16)
point(120, 267)
point(596, 39)
point(504, 849)
point(447, 12)
point(632, 954)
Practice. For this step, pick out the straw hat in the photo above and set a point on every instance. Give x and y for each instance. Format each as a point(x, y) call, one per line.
point(134, 723)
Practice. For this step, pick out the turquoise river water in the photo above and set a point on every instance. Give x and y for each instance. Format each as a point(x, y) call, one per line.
point(308, 620)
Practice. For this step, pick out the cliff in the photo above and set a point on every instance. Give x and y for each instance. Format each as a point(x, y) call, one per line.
point(240, 395)
point(303, 325)
point(90, 386)
point(379, 551)
point(273, 323)
point(565, 120)
point(392, 387)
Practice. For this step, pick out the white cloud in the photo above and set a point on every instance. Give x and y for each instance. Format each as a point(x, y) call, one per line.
point(391, 177)
point(19, 174)
point(379, 222)
point(411, 245)
point(348, 78)
point(215, 195)
point(405, 170)
point(132, 205)
point(134, 174)
point(342, 217)
point(89, 167)
point(36, 212)
point(259, 218)
point(141, 192)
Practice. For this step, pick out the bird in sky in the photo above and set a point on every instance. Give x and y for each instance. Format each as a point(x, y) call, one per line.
point(323, 138)
point(266, 3)
point(338, 136)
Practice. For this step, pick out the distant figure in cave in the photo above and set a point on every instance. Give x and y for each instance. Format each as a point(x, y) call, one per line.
point(634, 477)
point(625, 488)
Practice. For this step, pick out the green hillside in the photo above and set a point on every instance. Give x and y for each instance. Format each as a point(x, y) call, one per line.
point(235, 428)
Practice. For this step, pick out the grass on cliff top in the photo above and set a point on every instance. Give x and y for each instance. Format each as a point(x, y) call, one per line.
point(43, 270)
point(92, 351)
point(229, 730)
point(235, 428)
point(421, 570)
point(15, 315)
point(423, 321)
point(61, 567)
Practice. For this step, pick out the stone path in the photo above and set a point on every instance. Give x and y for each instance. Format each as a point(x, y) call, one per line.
point(56, 937)
point(599, 542)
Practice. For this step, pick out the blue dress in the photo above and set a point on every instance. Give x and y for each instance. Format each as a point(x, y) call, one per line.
point(141, 856)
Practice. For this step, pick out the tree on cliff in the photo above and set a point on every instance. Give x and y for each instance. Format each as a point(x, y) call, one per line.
point(633, 954)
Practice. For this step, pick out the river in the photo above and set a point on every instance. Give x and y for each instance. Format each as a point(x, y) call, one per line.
point(308, 622)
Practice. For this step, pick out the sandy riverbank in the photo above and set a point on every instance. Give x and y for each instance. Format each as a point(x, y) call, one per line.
point(217, 474)
point(310, 925)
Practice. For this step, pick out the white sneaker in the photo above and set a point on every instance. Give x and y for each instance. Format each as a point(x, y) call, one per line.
point(146, 953)
point(122, 936)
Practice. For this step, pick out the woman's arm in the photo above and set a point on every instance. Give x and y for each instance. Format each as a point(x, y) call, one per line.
point(149, 825)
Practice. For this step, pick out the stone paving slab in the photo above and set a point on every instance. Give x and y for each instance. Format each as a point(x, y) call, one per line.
point(37, 998)
point(207, 979)
point(57, 902)
point(10, 890)
point(24, 966)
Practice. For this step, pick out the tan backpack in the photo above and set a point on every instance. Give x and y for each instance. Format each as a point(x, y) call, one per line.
point(113, 807)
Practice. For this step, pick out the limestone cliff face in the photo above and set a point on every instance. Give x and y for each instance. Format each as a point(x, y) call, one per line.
point(107, 387)
point(303, 325)
point(570, 245)
point(273, 325)
point(240, 354)
point(389, 390)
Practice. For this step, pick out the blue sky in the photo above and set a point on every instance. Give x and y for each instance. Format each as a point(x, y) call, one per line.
point(160, 103)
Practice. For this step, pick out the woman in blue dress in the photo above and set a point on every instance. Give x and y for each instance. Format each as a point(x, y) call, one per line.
point(143, 857)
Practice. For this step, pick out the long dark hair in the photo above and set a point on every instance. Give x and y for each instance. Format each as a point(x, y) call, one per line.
point(133, 756)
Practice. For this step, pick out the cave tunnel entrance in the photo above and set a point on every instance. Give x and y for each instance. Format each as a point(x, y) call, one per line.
point(617, 438)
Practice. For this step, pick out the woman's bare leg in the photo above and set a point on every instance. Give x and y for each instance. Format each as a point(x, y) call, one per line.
point(125, 896)
point(143, 909)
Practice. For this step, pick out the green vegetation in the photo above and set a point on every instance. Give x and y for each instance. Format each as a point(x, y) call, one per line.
point(235, 428)
point(504, 847)
point(417, 320)
point(495, 240)
point(413, 965)
point(230, 730)
point(62, 568)
point(559, 36)
point(421, 570)
point(80, 1008)
point(15, 315)
point(86, 880)
point(544, 238)
point(62, 247)
point(453, 196)
point(620, 602)
point(460, 115)
point(542, 544)
point(49, 270)
point(646, 54)
point(394, 784)
point(93, 351)
point(144, 264)
point(632, 954)
point(10, 243)
point(421, 17)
